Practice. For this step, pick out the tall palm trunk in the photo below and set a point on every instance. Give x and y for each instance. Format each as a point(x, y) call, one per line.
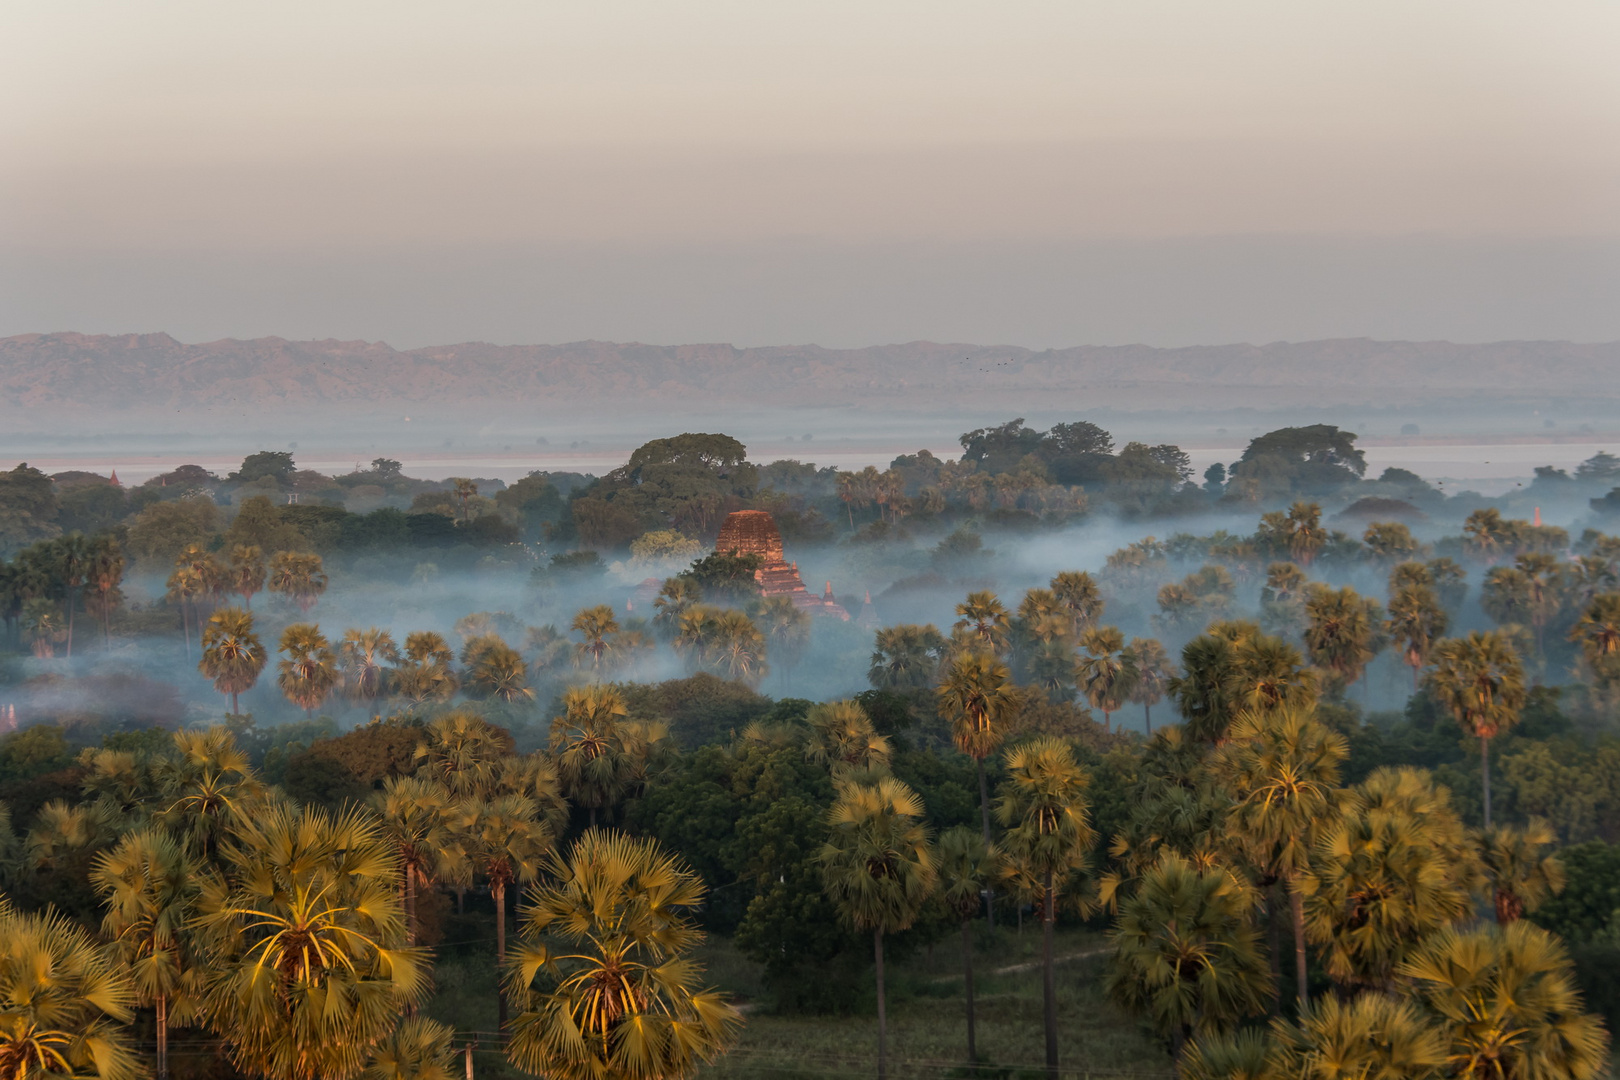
point(1485, 775)
point(883, 1012)
point(498, 887)
point(411, 929)
point(70, 607)
point(1274, 943)
point(1049, 978)
point(1296, 904)
point(1147, 714)
point(1108, 722)
point(967, 975)
point(162, 1037)
point(984, 815)
point(235, 709)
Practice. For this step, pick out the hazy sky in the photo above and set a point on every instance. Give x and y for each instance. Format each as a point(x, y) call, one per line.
point(1169, 171)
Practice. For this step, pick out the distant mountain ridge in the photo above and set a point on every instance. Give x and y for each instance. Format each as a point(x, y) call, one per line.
point(134, 371)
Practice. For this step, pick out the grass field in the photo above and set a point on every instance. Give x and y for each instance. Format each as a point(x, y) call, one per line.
point(926, 1018)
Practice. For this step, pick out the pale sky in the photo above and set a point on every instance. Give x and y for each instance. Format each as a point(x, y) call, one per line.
point(1169, 171)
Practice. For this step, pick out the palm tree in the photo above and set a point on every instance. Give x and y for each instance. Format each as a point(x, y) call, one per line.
point(414, 811)
point(1282, 769)
point(247, 572)
point(1416, 621)
point(965, 866)
point(906, 656)
point(1051, 667)
point(535, 776)
point(1043, 807)
point(463, 752)
point(738, 648)
point(985, 620)
point(1520, 870)
point(843, 739)
point(587, 741)
point(1153, 675)
point(1304, 532)
point(675, 598)
point(210, 787)
point(365, 657)
point(611, 929)
point(426, 674)
point(1107, 673)
point(1232, 667)
point(305, 939)
point(1480, 680)
point(298, 576)
point(1505, 1002)
point(209, 570)
point(1173, 809)
point(59, 830)
point(849, 493)
point(1243, 1055)
point(978, 697)
point(1282, 600)
point(787, 631)
point(186, 587)
point(74, 557)
point(1077, 591)
point(493, 669)
point(106, 574)
point(597, 629)
point(149, 884)
point(66, 1001)
point(1505, 595)
point(419, 1049)
point(1394, 867)
point(465, 490)
point(1367, 1036)
point(1390, 542)
point(506, 839)
point(1597, 631)
point(1186, 953)
point(878, 868)
point(1341, 631)
point(1546, 588)
point(310, 672)
point(695, 634)
point(232, 655)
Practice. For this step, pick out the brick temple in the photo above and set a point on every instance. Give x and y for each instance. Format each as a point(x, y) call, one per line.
point(754, 532)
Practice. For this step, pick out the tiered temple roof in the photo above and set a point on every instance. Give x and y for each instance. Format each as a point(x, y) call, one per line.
point(754, 532)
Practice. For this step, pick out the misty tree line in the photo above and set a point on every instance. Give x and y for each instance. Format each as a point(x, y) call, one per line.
point(1268, 843)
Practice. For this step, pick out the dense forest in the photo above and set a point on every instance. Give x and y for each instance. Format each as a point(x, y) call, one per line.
point(1278, 771)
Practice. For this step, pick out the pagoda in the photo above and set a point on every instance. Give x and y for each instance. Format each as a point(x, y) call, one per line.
point(754, 532)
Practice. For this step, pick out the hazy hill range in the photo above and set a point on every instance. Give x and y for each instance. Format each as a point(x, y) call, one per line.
point(71, 372)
